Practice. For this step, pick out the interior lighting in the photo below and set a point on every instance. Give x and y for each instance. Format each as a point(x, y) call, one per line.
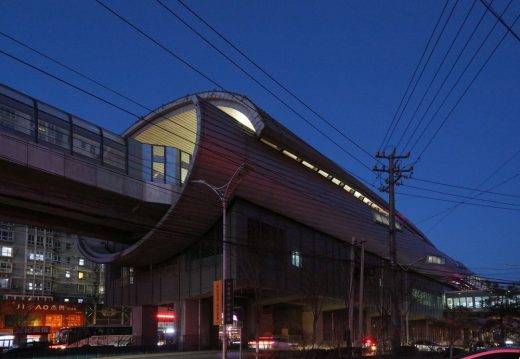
point(336, 181)
point(166, 316)
point(289, 154)
point(308, 165)
point(239, 116)
point(323, 173)
point(270, 144)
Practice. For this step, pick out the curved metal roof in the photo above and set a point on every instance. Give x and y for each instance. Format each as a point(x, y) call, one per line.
point(287, 186)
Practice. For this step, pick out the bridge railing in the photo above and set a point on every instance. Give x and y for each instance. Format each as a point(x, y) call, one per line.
point(33, 120)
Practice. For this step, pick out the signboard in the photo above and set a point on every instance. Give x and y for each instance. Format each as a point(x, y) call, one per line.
point(32, 330)
point(228, 310)
point(217, 302)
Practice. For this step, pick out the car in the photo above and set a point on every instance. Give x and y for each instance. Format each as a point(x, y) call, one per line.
point(493, 353)
point(271, 343)
point(428, 346)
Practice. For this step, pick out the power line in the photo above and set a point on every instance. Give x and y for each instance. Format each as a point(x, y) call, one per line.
point(185, 62)
point(461, 196)
point(265, 72)
point(461, 26)
point(465, 90)
point(499, 18)
point(464, 187)
point(441, 86)
point(391, 125)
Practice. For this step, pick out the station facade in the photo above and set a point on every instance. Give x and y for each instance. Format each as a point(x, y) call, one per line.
point(297, 227)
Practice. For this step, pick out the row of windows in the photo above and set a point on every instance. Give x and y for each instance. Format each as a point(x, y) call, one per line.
point(42, 256)
point(328, 176)
point(480, 301)
point(64, 132)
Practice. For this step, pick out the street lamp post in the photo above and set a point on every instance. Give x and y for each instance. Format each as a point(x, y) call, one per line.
point(224, 193)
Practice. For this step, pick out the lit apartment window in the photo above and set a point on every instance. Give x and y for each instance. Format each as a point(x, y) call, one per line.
point(435, 260)
point(7, 251)
point(80, 300)
point(4, 283)
point(30, 286)
point(67, 274)
point(66, 300)
point(296, 259)
point(81, 275)
point(81, 262)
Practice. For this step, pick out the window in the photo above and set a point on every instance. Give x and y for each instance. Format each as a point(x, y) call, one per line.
point(478, 302)
point(57, 244)
point(7, 251)
point(80, 300)
point(30, 239)
point(449, 303)
point(296, 259)
point(56, 258)
point(6, 231)
point(67, 274)
point(39, 241)
point(81, 275)
point(36, 256)
point(48, 241)
point(4, 283)
point(81, 262)
point(435, 260)
point(6, 267)
point(66, 300)
point(68, 245)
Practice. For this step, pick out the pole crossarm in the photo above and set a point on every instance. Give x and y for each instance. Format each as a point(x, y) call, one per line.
point(395, 174)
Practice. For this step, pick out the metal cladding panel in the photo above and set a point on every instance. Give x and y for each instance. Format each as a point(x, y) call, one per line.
point(279, 184)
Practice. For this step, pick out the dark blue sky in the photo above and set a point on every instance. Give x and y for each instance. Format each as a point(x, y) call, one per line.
point(351, 61)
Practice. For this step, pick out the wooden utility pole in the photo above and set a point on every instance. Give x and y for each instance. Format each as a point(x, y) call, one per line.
point(395, 174)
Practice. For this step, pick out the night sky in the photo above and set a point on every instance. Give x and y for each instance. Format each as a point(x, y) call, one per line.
point(350, 61)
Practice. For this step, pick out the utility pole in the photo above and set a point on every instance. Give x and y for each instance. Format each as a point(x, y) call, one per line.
point(395, 174)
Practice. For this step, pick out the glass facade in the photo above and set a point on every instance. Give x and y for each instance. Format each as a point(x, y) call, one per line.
point(44, 124)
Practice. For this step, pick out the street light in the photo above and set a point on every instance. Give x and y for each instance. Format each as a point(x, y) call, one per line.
point(224, 193)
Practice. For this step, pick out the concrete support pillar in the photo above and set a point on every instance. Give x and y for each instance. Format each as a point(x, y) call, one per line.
point(190, 325)
point(144, 323)
point(307, 321)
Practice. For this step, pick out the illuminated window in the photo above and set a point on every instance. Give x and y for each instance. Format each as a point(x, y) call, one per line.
point(7, 251)
point(80, 300)
point(81, 262)
point(66, 300)
point(435, 259)
point(67, 274)
point(81, 275)
point(239, 116)
point(296, 259)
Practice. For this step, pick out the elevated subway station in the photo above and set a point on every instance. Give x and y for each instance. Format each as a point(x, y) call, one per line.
point(294, 222)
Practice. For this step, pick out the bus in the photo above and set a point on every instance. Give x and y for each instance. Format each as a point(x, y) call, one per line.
point(75, 337)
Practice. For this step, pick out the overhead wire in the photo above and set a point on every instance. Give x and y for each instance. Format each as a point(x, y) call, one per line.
point(463, 94)
point(499, 17)
point(437, 72)
point(285, 180)
point(220, 86)
point(264, 71)
point(441, 86)
point(390, 129)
